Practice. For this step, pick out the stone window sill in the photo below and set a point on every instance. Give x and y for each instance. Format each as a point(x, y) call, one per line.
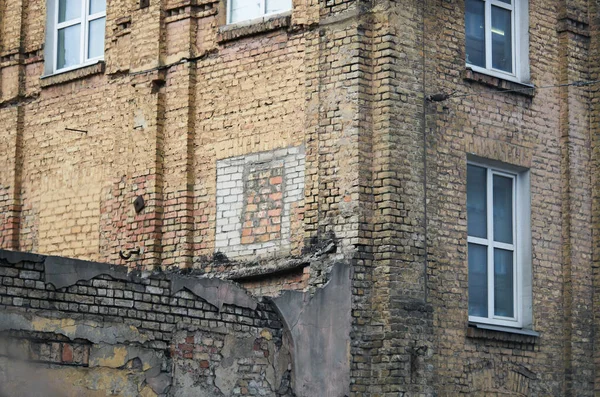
point(527, 90)
point(71, 75)
point(254, 26)
point(502, 334)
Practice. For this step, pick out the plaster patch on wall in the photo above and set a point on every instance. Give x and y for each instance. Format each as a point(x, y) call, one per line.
point(255, 196)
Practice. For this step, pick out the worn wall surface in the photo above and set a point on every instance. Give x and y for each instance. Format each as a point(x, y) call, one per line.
point(76, 328)
point(270, 151)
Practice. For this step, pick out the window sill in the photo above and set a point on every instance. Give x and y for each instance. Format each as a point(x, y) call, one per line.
point(254, 26)
point(73, 74)
point(527, 90)
point(502, 334)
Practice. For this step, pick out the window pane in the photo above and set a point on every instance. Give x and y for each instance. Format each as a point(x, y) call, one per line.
point(503, 283)
point(478, 291)
point(97, 6)
point(96, 38)
point(69, 9)
point(503, 209)
point(274, 6)
point(242, 10)
point(476, 201)
point(68, 46)
point(475, 32)
point(501, 39)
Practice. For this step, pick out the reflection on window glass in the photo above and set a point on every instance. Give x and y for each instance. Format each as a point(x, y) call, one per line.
point(503, 283)
point(501, 39)
point(96, 38)
point(242, 10)
point(476, 201)
point(68, 47)
point(503, 210)
point(478, 291)
point(97, 6)
point(68, 10)
point(475, 32)
point(274, 6)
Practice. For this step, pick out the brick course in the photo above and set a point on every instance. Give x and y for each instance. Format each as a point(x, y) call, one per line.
point(201, 119)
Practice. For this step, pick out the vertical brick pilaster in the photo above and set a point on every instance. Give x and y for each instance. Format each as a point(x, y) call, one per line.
point(573, 35)
point(12, 86)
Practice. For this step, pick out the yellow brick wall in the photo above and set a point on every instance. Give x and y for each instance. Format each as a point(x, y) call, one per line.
point(347, 81)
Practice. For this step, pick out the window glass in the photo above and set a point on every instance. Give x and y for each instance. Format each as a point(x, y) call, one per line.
point(68, 10)
point(502, 39)
point(503, 283)
point(242, 10)
point(478, 290)
point(503, 209)
point(96, 38)
point(476, 201)
point(97, 6)
point(68, 46)
point(274, 6)
point(475, 32)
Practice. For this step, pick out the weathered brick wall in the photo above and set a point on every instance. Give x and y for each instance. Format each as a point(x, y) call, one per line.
point(89, 329)
point(381, 171)
point(144, 132)
point(548, 133)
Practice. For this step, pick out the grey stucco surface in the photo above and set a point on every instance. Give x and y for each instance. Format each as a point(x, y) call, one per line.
point(64, 272)
point(215, 291)
point(320, 328)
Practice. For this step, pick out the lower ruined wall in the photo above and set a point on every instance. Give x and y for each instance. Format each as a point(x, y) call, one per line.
point(75, 328)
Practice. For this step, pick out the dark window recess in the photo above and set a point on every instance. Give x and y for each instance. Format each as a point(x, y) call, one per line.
point(144, 3)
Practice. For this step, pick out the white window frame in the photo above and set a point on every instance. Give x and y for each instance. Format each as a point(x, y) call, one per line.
point(521, 246)
point(520, 41)
point(263, 7)
point(53, 26)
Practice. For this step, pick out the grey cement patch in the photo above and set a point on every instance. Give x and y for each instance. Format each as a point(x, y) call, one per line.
point(64, 272)
point(82, 329)
point(217, 292)
point(14, 257)
point(320, 328)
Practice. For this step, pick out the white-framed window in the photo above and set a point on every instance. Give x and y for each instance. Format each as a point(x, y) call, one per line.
point(499, 245)
point(75, 34)
point(497, 38)
point(244, 10)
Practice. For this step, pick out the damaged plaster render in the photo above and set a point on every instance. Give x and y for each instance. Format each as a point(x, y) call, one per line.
point(65, 272)
point(320, 328)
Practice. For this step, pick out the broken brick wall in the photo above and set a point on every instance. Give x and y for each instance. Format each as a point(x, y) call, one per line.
point(73, 328)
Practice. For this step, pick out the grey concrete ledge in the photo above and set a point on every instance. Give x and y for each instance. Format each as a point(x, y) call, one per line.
point(14, 257)
point(65, 272)
point(254, 26)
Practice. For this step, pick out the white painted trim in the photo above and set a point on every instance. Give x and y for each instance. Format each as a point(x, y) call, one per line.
point(260, 18)
point(520, 41)
point(521, 246)
point(52, 28)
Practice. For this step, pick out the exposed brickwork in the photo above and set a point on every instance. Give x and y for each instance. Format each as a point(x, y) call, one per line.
point(200, 338)
point(259, 198)
point(310, 135)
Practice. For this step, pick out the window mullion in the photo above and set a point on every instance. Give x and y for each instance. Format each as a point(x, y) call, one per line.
point(55, 32)
point(488, 34)
point(66, 24)
point(490, 246)
point(516, 265)
point(515, 41)
point(85, 32)
point(95, 16)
